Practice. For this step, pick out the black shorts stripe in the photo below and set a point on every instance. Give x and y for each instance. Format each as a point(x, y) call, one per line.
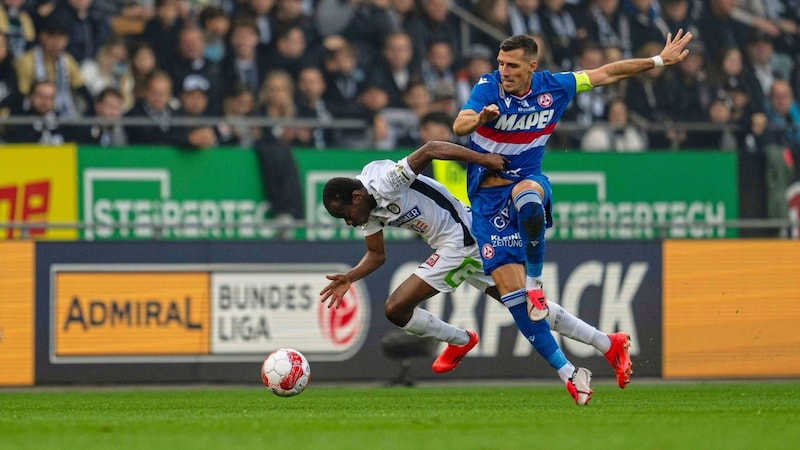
point(444, 203)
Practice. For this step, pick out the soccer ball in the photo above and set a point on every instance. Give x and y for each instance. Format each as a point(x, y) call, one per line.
point(285, 372)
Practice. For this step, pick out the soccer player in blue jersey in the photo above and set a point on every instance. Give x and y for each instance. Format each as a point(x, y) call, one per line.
point(512, 112)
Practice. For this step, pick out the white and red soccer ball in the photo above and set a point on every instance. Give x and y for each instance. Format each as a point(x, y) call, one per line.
point(285, 372)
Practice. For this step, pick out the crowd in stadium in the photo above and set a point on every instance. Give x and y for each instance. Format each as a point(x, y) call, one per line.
point(389, 63)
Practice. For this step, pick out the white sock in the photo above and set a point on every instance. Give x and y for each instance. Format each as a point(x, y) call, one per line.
point(533, 283)
point(425, 324)
point(565, 324)
point(566, 371)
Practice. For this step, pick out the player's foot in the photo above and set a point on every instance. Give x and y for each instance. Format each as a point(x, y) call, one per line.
point(537, 305)
point(579, 386)
point(619, 358)
point(452, 355)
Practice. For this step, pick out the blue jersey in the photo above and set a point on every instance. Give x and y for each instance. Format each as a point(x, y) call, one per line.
point(520, 134)
point(524, 125)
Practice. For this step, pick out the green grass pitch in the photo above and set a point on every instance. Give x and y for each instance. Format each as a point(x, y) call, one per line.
point(681, 415)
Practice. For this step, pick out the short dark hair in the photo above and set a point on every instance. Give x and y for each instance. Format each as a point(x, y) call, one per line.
point(339, 189)
point(521, 41)
point(109, 91)
point(439, 117)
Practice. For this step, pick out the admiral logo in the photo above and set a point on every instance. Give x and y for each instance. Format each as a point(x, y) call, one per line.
point(410, 215)
point(536, 120)
point(130, 313)
point(431, 261)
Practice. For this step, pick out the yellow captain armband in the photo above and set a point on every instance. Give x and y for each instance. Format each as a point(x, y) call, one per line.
point(582, 83)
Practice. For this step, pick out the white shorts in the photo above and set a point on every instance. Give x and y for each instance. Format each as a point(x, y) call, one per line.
point(447, 268)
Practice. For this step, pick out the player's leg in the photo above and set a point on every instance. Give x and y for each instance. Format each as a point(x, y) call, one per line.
point(614, 346)
point(529, 199)
point(577, 380)
point(402, 310)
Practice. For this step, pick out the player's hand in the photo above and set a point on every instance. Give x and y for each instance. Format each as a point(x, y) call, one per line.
point(489, 113)
point(335, 290)
point(675, 49)
point(494, 162)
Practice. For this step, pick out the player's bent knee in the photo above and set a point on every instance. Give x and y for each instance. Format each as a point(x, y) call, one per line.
point(398, 312)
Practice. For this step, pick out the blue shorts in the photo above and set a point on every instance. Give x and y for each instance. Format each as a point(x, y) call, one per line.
point(494, 224)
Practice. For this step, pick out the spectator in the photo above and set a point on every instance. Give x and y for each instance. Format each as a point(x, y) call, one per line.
point(783, 113)
point(729, 72)
point(616, 134)
point(368, 29)
point(343, 77)
point(261, 12)
point(477, 63)
point(17, 25)
point(496, 15)
point(110, 69)
point(646, 96)
point(608, 26)
point(762, 62)
point(239, 103)
point(435, 23)
point(311, 105)
point(396, 70)
point(155, 105)
point(719, 29)
point(88, 29)
point(373, 99)
point(290, 14)
point(39, 105)
point(49, 61)
point(142, 62)
point(190, 61)
point(276, 101)
point(331, 17)
point(689, 88)
point(717, 136)
point(109, 105)
point(10, 96)
point(401, 11)
point(161, 32)
point(523, 17)
point(244, 63)
point(291, 52)
point(676, 15)
point(589, 107)
point(195, 103)
point(645, 22)
point(562, 31)
point(437, 67)
point(215, 25)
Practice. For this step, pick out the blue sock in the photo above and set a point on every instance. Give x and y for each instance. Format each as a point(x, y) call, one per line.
point(531, 224)
point(538, 333)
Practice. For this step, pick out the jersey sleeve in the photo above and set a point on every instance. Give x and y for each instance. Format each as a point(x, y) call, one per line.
point(395, 179)
point(481, 95)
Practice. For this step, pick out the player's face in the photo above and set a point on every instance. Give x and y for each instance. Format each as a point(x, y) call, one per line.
point(516, 71)
point(355, 213)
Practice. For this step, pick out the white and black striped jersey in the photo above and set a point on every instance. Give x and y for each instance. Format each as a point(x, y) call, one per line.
point(415, 202)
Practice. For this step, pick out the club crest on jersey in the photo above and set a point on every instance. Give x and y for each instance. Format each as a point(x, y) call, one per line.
point(487, 251)
point(393, 208)
point(545, 100)
point(432, 260)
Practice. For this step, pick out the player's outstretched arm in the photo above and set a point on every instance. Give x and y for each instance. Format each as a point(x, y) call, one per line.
point(340, 282)
point(674, 52)
point(423, 156)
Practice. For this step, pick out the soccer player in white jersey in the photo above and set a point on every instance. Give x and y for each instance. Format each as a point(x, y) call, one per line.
point(389, 193)
point(512, 112)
